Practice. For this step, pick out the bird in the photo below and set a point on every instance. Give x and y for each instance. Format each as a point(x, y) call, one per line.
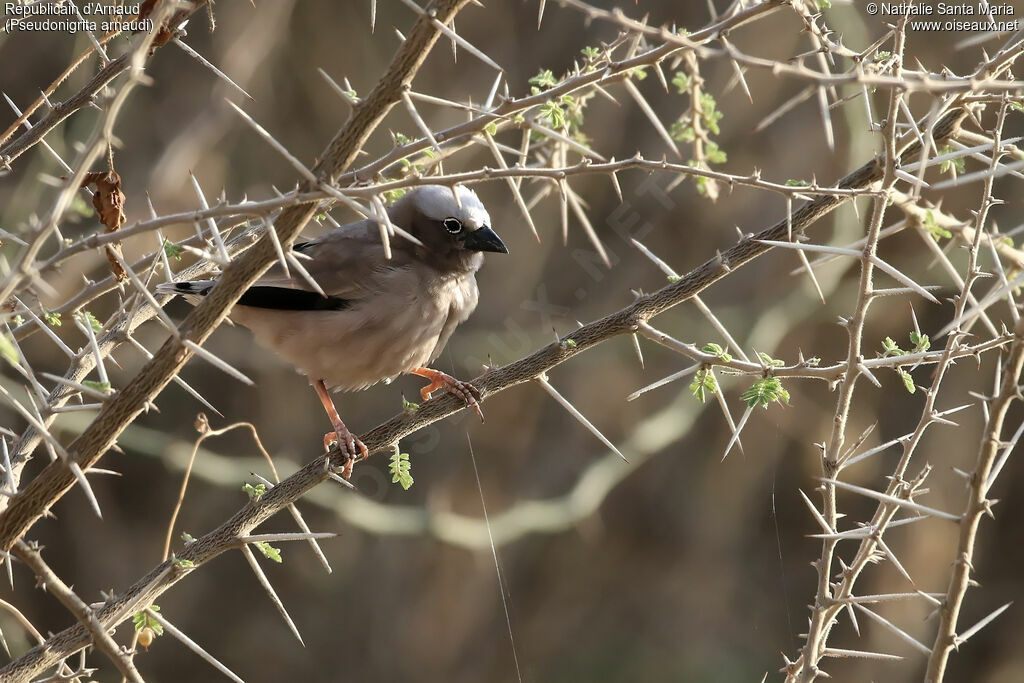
point(375, 317)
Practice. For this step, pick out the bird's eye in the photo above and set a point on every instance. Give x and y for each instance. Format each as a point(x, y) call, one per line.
point(452, 225)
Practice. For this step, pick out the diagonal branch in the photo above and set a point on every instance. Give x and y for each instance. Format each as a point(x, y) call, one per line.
point(84, 97)
point(103, 641)
point(118, 413)
point(624, 321)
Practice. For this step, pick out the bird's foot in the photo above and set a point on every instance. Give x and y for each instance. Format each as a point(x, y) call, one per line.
point(464, 391)
point(351, 447)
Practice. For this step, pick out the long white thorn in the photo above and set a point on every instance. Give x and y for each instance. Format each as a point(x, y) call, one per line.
point(663, 381)
point(217, 72)
point(961, 638)
point(564, 402)
point(893, 500)
point(916, 644)
point(217, 362)
point(265, 582)
point(272, 141)
point(192, 645)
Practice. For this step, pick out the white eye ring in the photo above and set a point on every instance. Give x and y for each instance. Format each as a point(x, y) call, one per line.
point(452, 225)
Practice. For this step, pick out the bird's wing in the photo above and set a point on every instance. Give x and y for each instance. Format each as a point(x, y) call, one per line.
point(348, 263)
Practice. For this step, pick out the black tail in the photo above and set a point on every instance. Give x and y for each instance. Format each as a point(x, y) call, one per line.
point(194, 287)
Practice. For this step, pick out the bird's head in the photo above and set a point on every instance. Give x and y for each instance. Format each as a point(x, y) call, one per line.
point(453, 231)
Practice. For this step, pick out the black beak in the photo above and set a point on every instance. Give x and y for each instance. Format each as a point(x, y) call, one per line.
point(485, 239)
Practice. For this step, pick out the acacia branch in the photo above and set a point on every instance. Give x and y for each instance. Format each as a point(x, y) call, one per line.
point(979, 482)
point(831, 458)
point(226, 537)
point(103, 641)
point(85, 96)
point(307, 194)
point(977, 506)
point(117, 413)
point(898, 486)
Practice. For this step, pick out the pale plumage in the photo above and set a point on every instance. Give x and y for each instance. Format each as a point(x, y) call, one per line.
point(381, 317)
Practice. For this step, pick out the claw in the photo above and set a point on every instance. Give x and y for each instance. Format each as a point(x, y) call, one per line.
point(464, 391)
point(353, 448)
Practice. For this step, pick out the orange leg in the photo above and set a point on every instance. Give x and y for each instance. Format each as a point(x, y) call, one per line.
point(464, 391)
point(351, 446)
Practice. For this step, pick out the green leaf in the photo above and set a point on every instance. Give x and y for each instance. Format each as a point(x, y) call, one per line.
point(958, 164)
point(179, 562)
point(269, 551)
point(714, 154)
point(544, 79)
point(19, 319)
point(141, 620)
point(400, 469)
point(491, 128)
point(769, 361)
point(554, 114)
point(172, 250)
point(52, 318)
point(591, 53)
point(682, 131)
point(187, 537)
point(710, 113)
point(908, 381)
point(890, 348)
point(764, 392)
point(409, 406)
point(571, 343)
point(920, 341)
point(933, 228)
point(796, 183)
point(681, 81)
point(701, 182)
point(102, 387)
point(254, 492)
point(703, 383)
point(87, 318)
point(716, 350)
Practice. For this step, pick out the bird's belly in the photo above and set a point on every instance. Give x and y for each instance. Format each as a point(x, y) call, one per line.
point(349, 349)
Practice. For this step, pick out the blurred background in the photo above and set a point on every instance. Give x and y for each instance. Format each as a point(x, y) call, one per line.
point(678, 566)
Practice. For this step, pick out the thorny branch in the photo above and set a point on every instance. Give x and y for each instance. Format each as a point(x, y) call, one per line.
point(980, 479)
point(51, 582)
point(494, 380)
point(908, 147)
point(116, 414)
point(831, 457)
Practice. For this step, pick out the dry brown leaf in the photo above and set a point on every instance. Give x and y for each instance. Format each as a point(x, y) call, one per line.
point(108, 200)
